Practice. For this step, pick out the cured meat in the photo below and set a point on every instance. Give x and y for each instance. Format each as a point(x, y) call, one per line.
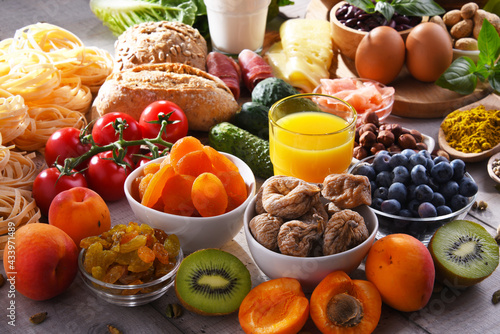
point(226, 69)
point(254, 68)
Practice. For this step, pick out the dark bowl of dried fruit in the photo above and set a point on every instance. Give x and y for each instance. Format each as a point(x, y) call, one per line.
point(350, 24)
point(416, 193)
point(126, 274)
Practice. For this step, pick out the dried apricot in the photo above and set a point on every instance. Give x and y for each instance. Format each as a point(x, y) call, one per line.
point(208, 195)
point(151, 168)
point(219, 161)
point(182, 147)
point(143, 185)
point(155, 186)
point(194, 163)
point(176, 195)
point(235, 186)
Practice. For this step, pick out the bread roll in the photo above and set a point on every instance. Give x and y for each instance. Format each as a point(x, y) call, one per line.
point(204, 98)
point(160, 42)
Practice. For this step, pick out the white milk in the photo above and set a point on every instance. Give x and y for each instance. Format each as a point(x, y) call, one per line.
point(237, 24)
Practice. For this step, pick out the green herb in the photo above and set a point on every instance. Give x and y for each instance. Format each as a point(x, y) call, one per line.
point(403, 7)
point(463, 73)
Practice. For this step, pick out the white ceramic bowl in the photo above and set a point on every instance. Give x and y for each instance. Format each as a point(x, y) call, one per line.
point(195, 232)
point(474, 54)
point(308, 270)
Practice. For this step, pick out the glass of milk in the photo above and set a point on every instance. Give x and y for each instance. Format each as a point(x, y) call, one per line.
point(237, 24)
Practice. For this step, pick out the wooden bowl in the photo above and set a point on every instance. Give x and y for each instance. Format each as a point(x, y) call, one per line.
point(454, 4)
point(348, 39)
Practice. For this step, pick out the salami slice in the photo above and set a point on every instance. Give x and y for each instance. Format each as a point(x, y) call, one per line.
point(226, 69)
point(254, 68)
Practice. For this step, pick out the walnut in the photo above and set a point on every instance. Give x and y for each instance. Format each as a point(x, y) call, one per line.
point(347, 190)
point(385, 137)
point(289, 197)
point(345, 230)
point(297, 238)
point(265, 229)
point(367, 139)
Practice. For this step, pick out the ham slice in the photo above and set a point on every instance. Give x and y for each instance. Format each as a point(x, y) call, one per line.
point(226, 69)
point(254, 68)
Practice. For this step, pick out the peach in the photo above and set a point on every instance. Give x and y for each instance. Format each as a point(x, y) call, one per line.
point(41, 260)
point(402, 269)
point(80, 212)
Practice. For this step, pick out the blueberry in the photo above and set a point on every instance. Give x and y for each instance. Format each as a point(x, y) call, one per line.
point(413, 207)
point(408, 152)
point(440, 158)
point(397, 191)
point(383, 179)
point(425, 153)
point(419, 175)
point(433, 184)
point(449, 189)
point(423, 193)
point(405, 213)
point(381, 192)
point(438, 199)
point(411, 191)
point(398, 159)
point(381, 162)
point(442, 172)
point(467, 187)
point(366, 170)
point(373, 186)
point(417, 159)
point(376, 203)
point(426, 210)
point(443, 210)
point(400, 174)
point(391, 206)
point(458, 169)
point(457, 202)
point(429, 163)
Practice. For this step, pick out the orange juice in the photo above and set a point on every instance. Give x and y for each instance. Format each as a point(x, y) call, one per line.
point(312, 146)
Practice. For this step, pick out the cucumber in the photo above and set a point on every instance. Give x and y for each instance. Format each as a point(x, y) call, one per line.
point(271, 90)
point(254, 151)
point(253, 117)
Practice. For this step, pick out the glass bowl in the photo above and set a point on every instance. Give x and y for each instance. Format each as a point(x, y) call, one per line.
point(421, 228)
point(354, 100)
point(124, 295)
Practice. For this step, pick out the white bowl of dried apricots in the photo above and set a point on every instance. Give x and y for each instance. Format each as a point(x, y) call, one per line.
point(306, 231)
point(195, 192)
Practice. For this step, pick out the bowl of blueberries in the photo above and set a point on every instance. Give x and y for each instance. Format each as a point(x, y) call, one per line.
point(416, 193)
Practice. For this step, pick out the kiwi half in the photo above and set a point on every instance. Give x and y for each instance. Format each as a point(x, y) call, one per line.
point(212, 282)
point(464, 253)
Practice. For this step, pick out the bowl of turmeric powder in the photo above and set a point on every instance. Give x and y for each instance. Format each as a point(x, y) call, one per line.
point(471, 133)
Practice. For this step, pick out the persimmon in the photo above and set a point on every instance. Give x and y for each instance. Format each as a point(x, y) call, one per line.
point(209, 195)
point(194, 163)
point(155, 186)
point(182, 147)
point(277, 306)
point(341, 305)
point(176, 195)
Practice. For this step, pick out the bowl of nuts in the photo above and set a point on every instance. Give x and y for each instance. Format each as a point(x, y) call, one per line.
point(416, 193)
point(302, 230)
point(494, 167)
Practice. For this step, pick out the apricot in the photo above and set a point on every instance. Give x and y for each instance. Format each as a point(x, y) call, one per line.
point(80, 212)
point(42, 260)
point(401, 268)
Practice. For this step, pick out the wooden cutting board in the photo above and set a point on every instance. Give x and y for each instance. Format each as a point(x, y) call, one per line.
point(414, 99)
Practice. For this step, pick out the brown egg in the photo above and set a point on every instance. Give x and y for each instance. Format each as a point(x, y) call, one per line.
point(380, 55)
point(428, 52)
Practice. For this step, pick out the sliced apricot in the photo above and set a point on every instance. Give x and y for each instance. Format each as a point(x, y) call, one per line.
point(277, 306)
point(156, 184)
point(182, 147)
point(219, 161)
point(235, 186)
point(194, 163)
point(143, 185)
point(341, 305)
point(176, 195)
point(208, 195)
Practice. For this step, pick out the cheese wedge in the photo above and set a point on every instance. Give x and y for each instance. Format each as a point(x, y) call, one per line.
point(305, 53)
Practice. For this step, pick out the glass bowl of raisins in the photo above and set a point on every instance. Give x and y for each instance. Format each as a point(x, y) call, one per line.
point(130, 265)
point(416, 193)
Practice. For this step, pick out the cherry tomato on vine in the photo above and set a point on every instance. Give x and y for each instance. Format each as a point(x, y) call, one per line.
point(65, 143)
point(104, 133)
point(47, 185)
point(174, 131)
point(106, 177)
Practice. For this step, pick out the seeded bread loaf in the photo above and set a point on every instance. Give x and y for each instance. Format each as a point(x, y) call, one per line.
point(159, 42)
point(204, 98)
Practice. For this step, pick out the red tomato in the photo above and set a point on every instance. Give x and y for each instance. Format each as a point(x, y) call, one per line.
point(65, 143)
point(106, 178)
point(174, 131)
point(104, 133)
point(47, 185)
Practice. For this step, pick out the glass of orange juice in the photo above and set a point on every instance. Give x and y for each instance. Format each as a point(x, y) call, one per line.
point(311, 136)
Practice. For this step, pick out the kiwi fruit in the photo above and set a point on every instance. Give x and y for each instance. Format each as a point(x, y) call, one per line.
point(464, 253)
point(212, 282)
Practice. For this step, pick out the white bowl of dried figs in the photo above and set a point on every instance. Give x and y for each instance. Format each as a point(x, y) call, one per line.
point(307, 230)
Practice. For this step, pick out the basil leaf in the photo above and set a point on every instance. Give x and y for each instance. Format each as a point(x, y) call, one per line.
point(488, 43)
point(366, 5)
point(417, 7)
point(459, 77)
point(385, 9)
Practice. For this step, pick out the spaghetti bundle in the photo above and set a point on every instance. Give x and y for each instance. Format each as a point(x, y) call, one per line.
point(46, 75)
